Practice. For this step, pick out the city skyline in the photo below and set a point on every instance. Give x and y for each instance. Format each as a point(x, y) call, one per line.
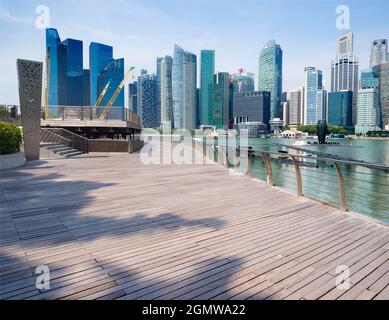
point(232, 51)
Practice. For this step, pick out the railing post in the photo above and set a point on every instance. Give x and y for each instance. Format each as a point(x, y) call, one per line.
point(299, 181)
point(249, 163)
point(342, 190)
point(225, 157)
point(269, 173)
point(204, 151)
point(215, 154)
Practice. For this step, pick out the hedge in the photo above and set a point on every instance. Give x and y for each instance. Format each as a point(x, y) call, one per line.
point(10, 138)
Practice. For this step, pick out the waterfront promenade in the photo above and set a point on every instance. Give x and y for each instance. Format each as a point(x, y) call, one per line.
point(109, 227)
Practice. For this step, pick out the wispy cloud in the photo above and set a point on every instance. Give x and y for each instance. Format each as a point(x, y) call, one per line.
point(8, 17)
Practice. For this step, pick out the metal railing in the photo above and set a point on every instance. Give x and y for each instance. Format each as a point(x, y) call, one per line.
point(65, 137)
point(222, 154)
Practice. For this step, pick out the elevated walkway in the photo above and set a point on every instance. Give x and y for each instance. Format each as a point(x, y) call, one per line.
point(110, 227)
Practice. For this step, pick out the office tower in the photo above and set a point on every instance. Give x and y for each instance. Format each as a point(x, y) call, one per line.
point(166, 93)
point(270, 74)
point(67, 81)
point(158, 93)
point(56, 73)
point(379, 52)
point(132, 97)
point(184, 76)
point(99, 56)
point(147, 100)
point(86, 87)
point(315, 96)
point(340, 109)
point(251, 107)
point(243, 81)
point(207, 71)
point(221, 99)
point(368, 111)
point(198, 124)
point(74, 72)
point(284, 96)
point(344, 69)
point(285, 112)
point(296, 106)
point(113, 72)
point(383, 72)
point(370, 78)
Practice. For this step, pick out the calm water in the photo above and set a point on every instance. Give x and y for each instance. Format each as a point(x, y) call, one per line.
point(367, 190)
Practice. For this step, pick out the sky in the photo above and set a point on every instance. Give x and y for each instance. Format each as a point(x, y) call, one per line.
point(141, 30)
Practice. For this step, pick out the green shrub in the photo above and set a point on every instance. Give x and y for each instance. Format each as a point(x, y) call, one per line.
point(10, 138)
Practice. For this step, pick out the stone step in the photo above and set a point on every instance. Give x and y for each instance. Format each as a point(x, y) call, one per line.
point(61, 149)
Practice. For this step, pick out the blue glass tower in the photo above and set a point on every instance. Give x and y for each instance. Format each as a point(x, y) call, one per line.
point(74, 72)
point(86, 87)
point(370, 78)
point(340, 109)
point(147, 100)
point(56, 69)
point(206, 86)
point(113, 72)
point(315, 96)
point(99, 56)
point(270, 75)
point(184, 88)
point(132, 96)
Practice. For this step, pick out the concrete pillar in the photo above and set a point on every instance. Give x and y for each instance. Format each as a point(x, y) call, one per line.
point(30, 96)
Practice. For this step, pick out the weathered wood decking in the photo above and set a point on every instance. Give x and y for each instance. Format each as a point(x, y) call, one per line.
point(111, 228)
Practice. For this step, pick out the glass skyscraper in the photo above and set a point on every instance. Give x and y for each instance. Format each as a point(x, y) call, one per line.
point(184, 76)
point(56, 74)
point(113, 72)
point(147, 100)
point(74, 72)
point(345, 69)
point(99, 56)
point(383, 71)
point(166, 93)
point(370, 78)
point(270, 74)
point(315, 96)
point(221, 99)
point(67, 81)
point(86, 87)
point(340, 109)
point(132, 96)
point(369, 113)
point(206, 86)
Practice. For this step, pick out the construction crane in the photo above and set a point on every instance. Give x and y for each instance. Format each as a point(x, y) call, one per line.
point(102, 94)
point(116, 94)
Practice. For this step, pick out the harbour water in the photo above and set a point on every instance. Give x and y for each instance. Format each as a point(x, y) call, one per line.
point(367, 190)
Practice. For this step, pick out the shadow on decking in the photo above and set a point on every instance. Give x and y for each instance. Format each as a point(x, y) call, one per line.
point(47, 212)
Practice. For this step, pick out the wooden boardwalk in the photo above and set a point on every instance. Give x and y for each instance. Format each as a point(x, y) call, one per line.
point(109, 227)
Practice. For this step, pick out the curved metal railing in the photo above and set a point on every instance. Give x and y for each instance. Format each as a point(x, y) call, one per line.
point(222, 154)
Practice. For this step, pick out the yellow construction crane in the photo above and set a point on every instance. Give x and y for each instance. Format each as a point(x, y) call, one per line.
point(127, 77)
point(102, 94)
